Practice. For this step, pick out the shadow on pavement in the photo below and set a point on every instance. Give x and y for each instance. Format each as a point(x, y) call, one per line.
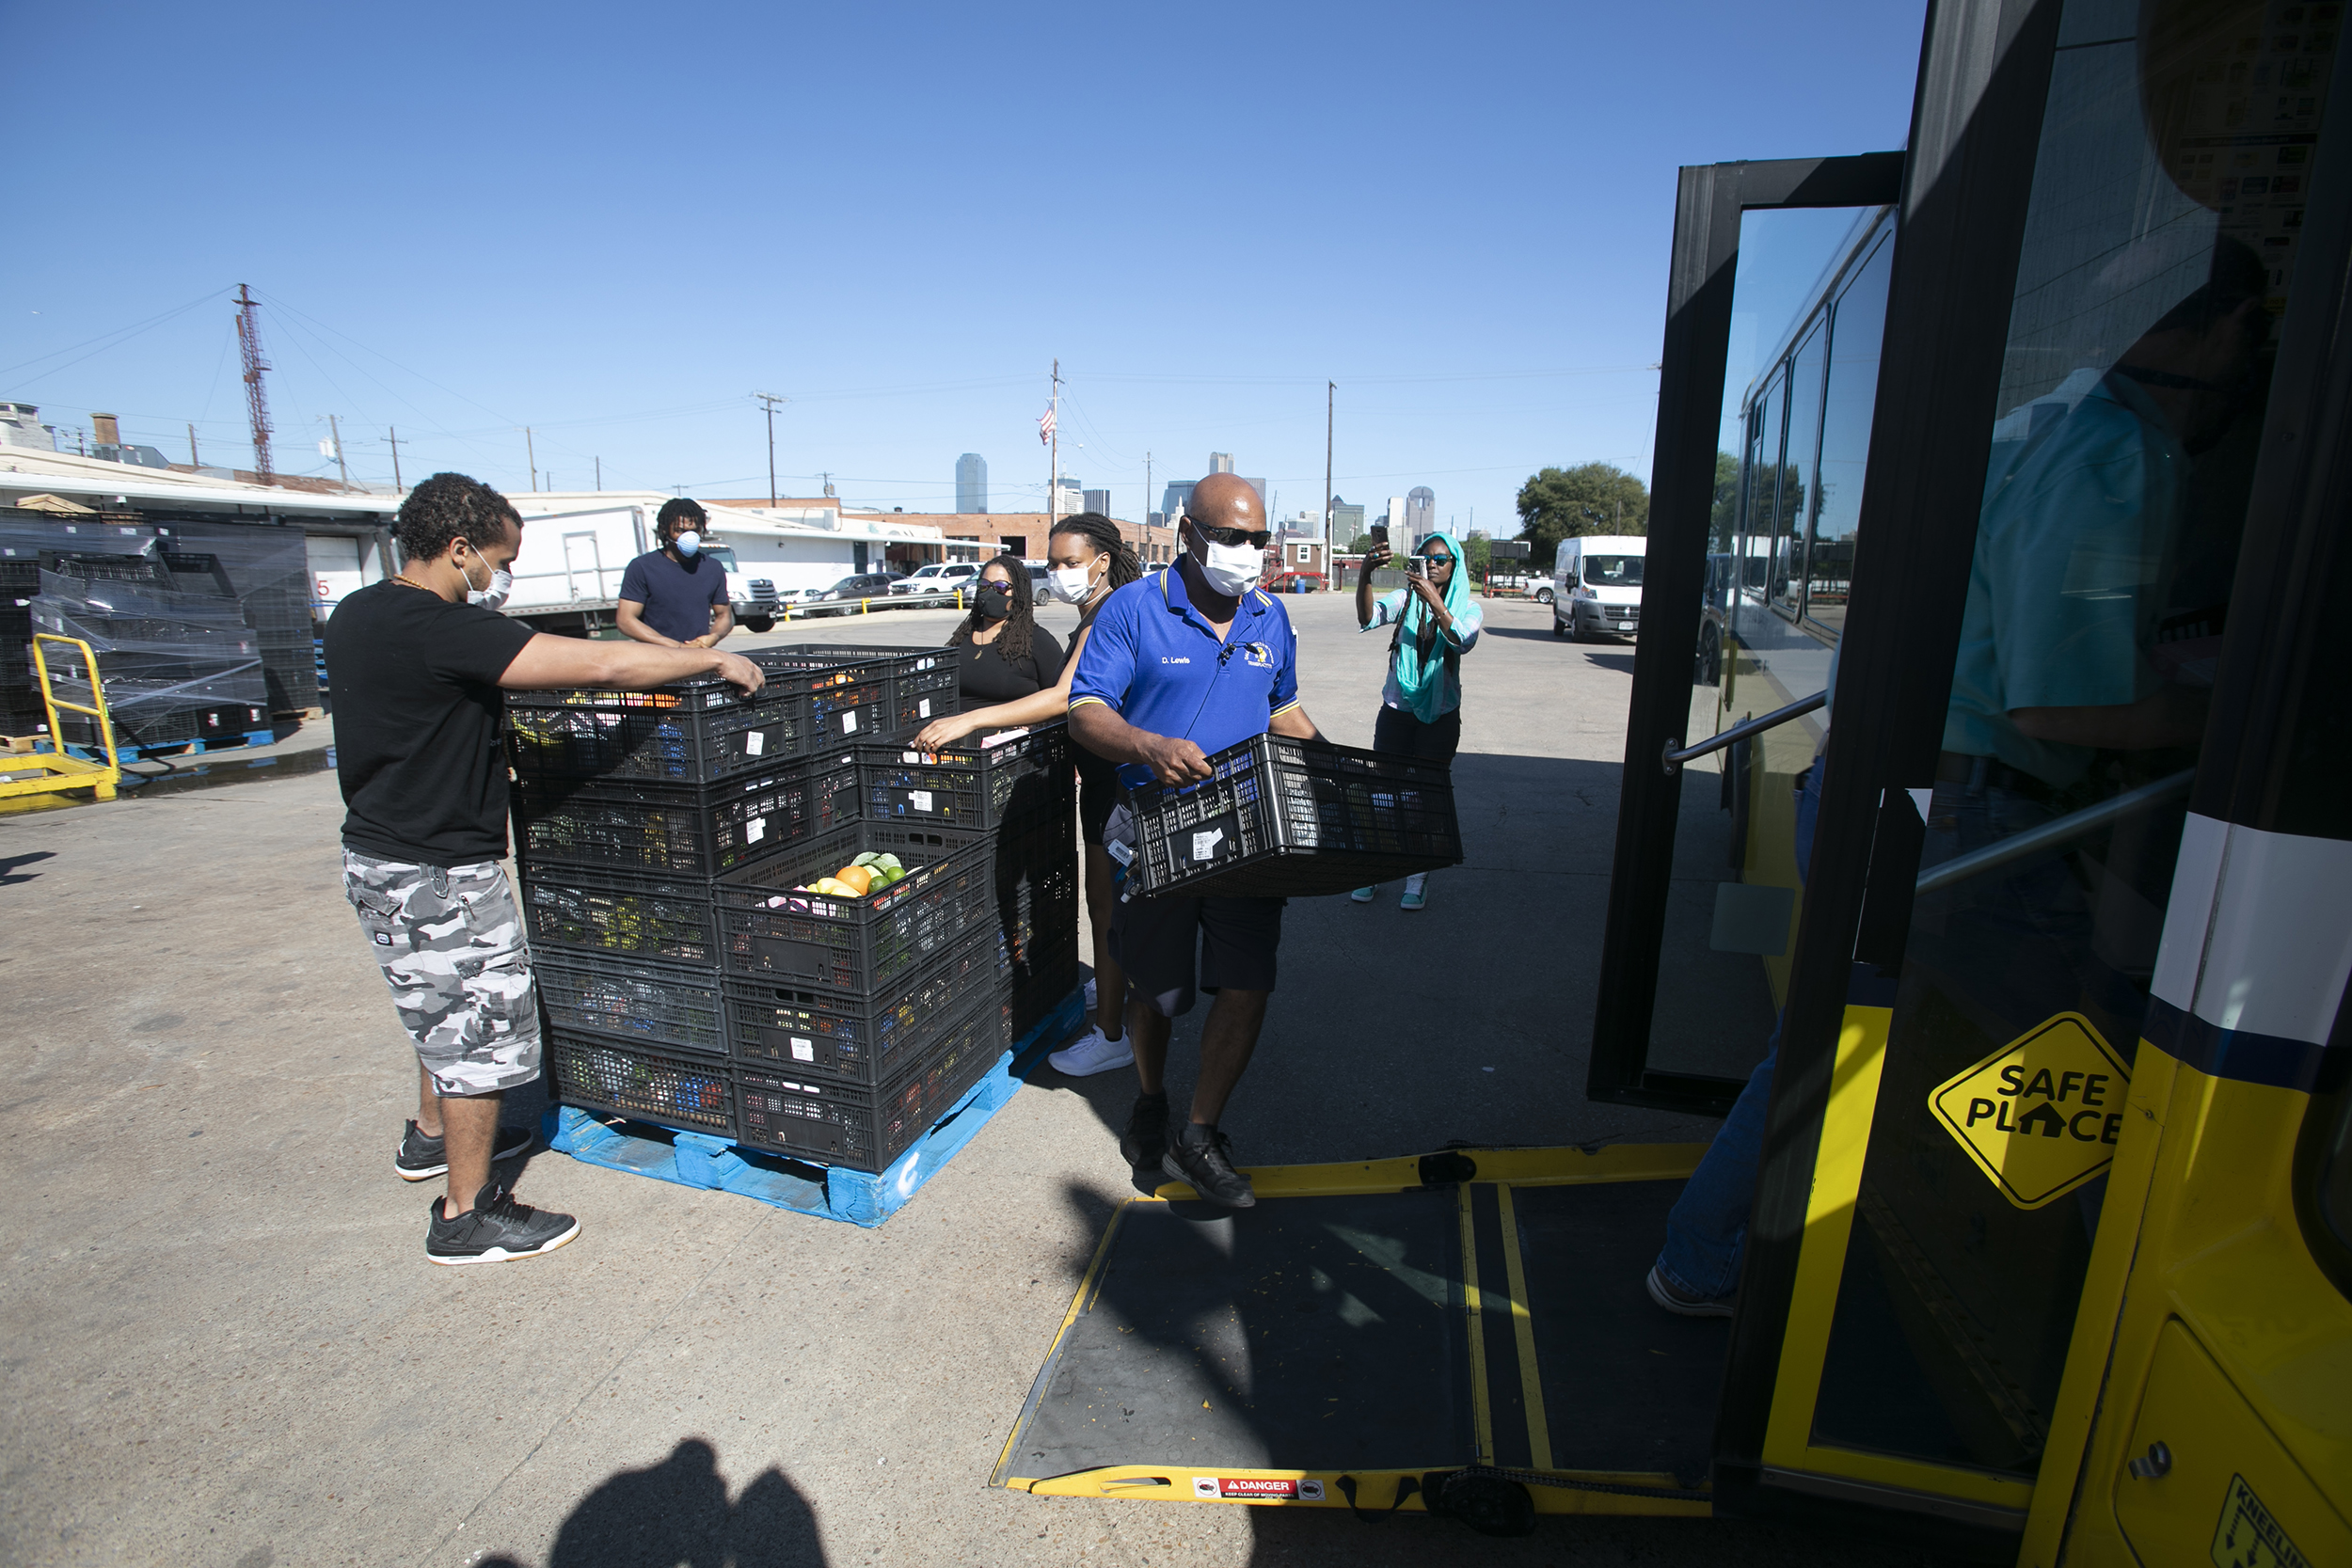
point(677, 1513)
point(9, 875)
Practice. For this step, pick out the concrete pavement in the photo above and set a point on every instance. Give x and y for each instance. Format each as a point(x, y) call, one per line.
point(224, 1345)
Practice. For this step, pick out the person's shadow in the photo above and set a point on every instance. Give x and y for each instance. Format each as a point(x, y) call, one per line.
point(677, 1513)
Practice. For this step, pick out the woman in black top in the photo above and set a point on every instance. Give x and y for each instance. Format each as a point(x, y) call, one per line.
point(1007, 653)
point(1090, 560)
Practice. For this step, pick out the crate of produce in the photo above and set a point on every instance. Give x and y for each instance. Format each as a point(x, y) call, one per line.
point(849, 698)
point(865, 1129)
point(605, 912)
point(776, 926)
point(689, 732)
point(844, 1037)
point(672, 1007)
point(923, 682)
point(683, 830)
point(1287, 819)
point(1006, 780)
point(695, 1094)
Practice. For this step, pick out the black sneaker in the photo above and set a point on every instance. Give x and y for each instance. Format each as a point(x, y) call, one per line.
point(1205, 1167)
point(497, 1229)
point(421, 1158)
point(1146, 1138)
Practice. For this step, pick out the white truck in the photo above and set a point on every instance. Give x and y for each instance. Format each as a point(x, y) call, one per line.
point(568, 576)
point(1597, 586)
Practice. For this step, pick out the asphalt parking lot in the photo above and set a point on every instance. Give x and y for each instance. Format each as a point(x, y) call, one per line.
point(224, 1345)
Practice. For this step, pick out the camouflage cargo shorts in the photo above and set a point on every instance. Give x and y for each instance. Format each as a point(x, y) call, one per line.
point(451, 943)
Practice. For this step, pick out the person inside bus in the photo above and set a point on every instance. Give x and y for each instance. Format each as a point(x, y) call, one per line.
point(1437, 621)
point(1007, 655)
point(675, 596)
point(1088, 559)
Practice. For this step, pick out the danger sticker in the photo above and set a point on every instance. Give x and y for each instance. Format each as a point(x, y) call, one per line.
point(1275, 1488)
point(2041, 1115)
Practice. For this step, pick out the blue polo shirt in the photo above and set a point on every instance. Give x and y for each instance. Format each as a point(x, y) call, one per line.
point(1156, 662)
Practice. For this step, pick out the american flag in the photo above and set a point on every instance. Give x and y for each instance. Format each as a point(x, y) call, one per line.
point(1045, 427)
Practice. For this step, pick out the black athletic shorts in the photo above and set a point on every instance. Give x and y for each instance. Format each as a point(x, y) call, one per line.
point(1157, 940)
point(1098, 792)
point(1396, 730)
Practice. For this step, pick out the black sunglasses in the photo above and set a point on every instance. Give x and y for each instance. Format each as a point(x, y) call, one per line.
point(1229, 536)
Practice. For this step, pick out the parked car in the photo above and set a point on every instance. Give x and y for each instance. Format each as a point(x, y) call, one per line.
point(1597, 586)
point(1298, 582)
point(843, 596)
point(940, 577)
point(1538, 589)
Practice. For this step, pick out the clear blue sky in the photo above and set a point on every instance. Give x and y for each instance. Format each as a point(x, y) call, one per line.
point(614, 224)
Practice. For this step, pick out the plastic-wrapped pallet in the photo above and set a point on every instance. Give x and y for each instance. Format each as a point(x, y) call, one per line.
point(268, 568)
point(177, 666)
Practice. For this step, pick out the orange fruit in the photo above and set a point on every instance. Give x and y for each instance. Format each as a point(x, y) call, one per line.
point(856, 876)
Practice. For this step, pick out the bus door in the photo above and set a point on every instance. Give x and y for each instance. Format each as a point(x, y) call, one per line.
point(2100, 216)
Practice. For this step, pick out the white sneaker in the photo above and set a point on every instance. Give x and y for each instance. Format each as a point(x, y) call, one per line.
point(1092, 1055)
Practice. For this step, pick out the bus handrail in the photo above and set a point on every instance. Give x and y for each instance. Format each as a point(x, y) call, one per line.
point(1676, 753)
point(2072, 826)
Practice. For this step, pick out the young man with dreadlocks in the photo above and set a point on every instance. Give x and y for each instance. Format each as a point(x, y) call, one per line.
point(1088, 559)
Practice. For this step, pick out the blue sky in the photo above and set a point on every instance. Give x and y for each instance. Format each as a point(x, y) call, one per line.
point(613, 225)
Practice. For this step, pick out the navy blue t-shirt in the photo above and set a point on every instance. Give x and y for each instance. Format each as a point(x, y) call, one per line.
point(677, 598)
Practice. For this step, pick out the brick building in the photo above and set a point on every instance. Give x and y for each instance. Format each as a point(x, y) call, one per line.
point(1024, 533)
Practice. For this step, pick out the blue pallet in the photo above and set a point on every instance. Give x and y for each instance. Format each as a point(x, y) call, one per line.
point(166, 748)
point(699, 1160)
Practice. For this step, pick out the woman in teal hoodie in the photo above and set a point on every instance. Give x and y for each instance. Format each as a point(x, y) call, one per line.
point(1437, 620)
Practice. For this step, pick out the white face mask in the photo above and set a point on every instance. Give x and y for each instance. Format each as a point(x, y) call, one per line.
point(1071, 585)
point(1230, 569)
point(502, 584)
point(687, 542)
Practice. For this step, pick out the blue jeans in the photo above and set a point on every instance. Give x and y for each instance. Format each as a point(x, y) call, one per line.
point(1708, 1226)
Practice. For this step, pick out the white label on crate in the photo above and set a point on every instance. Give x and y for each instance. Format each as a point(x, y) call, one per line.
point(919, 798)
point(756, 742)
point(1204, 844)
point(755, 829)
point(803, 1050)
point(923, 709)
point(848, 720)
point(1003, 735)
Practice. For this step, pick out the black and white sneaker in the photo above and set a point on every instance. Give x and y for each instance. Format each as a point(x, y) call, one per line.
point(497, 1229)
point(420, 1158)
point(1201, 1162)
point(1146, 1138)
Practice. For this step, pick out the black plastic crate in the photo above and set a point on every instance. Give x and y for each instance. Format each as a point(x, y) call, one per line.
point(695, 1094)
point(864, 1129)
point(1287, 819)
point(1005, 780)
point(689, 732)
point(849, 698)
point(1033, 987)
point(606, 911)
point(144, 570)
point(925, 682)
point(643, 1003)
point(858, 945)
point(846, 1039)
point(678, 829)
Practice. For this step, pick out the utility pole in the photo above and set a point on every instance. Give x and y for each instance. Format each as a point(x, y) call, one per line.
point(771, 400)
point(256, 399)
point(531, 451)
point(599, 473)
point(341, 467)
point(1330, 400)
point(1147, 500)
point(392, 438)
point(1053, 487)
point(194, 461)
point(826, 477)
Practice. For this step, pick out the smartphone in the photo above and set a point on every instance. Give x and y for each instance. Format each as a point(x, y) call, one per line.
point(1416, 567)
point(1380, 532)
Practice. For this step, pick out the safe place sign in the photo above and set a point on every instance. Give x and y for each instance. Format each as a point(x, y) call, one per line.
point(2040, 1115)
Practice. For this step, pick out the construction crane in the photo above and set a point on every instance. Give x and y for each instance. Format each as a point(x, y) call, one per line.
point(256, 400)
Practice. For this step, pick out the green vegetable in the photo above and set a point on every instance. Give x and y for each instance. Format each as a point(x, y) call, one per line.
point(892, 873)
point(867, 859)
point(889, 862)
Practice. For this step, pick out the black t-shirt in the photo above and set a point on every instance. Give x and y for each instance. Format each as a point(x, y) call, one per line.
point(418, 722)
point(676, 597)
point(987, 677)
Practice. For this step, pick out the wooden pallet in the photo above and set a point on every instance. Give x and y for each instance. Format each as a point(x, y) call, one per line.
point(699, 1160)
point(24, 742)
point(168, 748)
point(304, 714)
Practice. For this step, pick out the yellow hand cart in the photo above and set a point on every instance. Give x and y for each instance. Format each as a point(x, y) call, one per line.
point(54, 769)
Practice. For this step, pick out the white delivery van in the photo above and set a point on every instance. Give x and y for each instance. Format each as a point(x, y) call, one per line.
point(1597, 586)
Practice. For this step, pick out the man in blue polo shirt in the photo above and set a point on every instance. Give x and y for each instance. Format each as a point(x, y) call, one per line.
point(676, 597)
point(1181, 664)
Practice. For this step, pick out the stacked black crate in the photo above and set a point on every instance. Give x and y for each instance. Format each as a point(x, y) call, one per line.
point(177, 666)
point(267, 569)
point(22, 713)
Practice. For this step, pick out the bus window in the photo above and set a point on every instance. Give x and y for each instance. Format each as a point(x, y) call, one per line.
point(1763, 489)
point(2123, 436)
point(1855, 333)
point(1798, 462)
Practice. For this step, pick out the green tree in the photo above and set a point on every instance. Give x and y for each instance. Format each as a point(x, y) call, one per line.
point(1363, 541)
point(1725, 515)
point(1477, 558)
point(1591, 498)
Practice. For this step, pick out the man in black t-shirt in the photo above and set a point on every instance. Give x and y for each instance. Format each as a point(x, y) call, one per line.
point(676, 597)
point(419, 663)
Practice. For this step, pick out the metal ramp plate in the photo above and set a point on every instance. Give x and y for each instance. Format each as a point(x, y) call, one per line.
point(1369, 1333)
